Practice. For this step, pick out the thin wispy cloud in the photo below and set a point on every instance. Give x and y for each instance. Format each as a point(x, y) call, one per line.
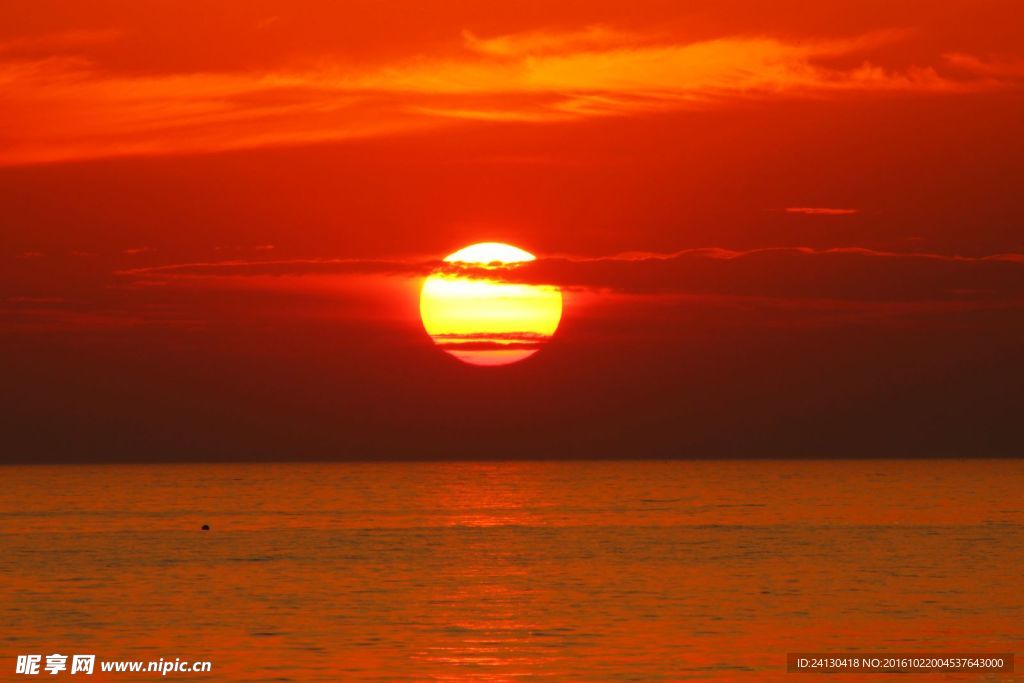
point(545, 42)
point(62, 107)
point(1006, 67)
point(285, 267)
point(821, 211)
point(798, 273)
point(817, 282)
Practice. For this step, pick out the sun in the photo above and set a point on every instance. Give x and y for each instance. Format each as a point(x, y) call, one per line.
point(484, 321)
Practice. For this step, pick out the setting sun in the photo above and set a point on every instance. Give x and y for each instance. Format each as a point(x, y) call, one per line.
point(485, 322)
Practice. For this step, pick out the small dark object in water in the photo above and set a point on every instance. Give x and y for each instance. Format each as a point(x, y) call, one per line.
point(206, 527)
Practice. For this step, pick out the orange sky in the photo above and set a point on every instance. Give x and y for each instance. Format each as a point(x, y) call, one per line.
point(782, 228)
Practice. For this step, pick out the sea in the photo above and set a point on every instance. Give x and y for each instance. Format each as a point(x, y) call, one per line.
point(500, 572)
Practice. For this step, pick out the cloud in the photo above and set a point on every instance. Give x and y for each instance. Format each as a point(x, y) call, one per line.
point(544, 42)
point(66, 108)
point(60, 107)
point(789, 273)
point(284, 267)
point(800, 273)
point(784, 284)
point(821, 211)
point(1000, 68)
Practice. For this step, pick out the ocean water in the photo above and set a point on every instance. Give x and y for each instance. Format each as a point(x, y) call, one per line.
point(500, 572)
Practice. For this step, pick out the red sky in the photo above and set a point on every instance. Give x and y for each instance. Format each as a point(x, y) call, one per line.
point(783, 228)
